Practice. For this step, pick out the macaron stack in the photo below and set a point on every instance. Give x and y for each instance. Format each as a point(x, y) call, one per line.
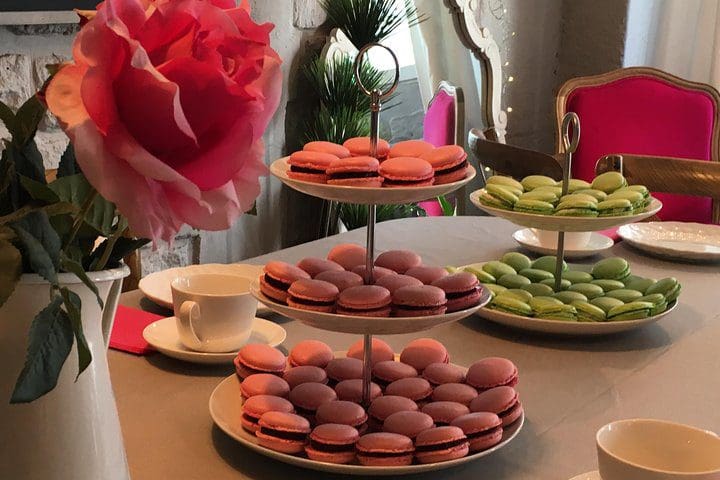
point(607, 293)
point(607, 195)
point(423, 408)
point(403, 286)
point(411, 163)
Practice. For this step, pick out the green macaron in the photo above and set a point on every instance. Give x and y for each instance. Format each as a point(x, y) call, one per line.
point(599, 195)
point(513, 280)
point(608, 182)
point(577, 276)
point(613, 268)
point(450, 269)
point(520, 294)
point(579, 197)
point(577, 208)
point(635, 198)
point(538, 289)
point(641, 189)
point(564, 284)
point(658, 300)
point(516, 260)
point(532, 182)
point(498, 196)
point(537, 207)
point(537, 302)
point(606, 303)
point(542, 195)
point(566, 313)
point(669, 287)
point(640, 284)
point(482, 275)
point(614, 208)
point(504, 181)
point(536, 275)
point(630, 311)
point(548, 263)
point(588, 289)
point(509, 304)
point(569, 297)
point(557, 191)
point(575, 184)
point(494, 288)
point(497, 269)
point(607, 284)
point(587, 312)
point(624, 294)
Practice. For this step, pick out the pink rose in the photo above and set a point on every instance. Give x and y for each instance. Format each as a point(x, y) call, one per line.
point(166, 103)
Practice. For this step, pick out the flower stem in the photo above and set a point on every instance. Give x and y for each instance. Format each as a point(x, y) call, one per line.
point(84, 209)
point(121, 229)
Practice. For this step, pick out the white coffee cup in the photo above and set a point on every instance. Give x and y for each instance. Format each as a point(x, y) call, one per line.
point(643, 449)
point(573, 240)
point(214, 312)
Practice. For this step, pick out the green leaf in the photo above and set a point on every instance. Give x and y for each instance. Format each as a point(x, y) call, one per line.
point(27, 119)
point(38, 191)
point(50, 342)
point(29, 162)
point(7, 116)
point(123, 247)
point(68, 164)
point(10, 269)
point(75, 189)
point(70, 265)
point(5, 171)
point(73, 307)
point(447, 207)
point(40, 244)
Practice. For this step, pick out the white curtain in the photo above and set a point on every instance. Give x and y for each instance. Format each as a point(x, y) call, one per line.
point(681, 37)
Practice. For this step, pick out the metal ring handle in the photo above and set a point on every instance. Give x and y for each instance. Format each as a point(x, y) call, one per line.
point(358, 64)
point(570, 132)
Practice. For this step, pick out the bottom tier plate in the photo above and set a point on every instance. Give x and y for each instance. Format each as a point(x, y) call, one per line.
point(568, 328)
point(226, 410)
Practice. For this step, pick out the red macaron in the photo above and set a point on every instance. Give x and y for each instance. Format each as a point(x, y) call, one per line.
point(315, 295)
point(416, 389)
point(445, 412)
point(378, 273)
point(332, 443)
point(355, 172)
point(502, 401)
point(351, 390)
point(348, 255)
point(309, 166)
point(314, 266)
point(360, 147)
point(408, 423)
point(255, 407)
point(307, 397)
point(310, 352)
point(305, 374)
point(383, 449)
point(427, 275)
point(342, 280)
point(399, 261)
point(482, 429)
point(393, 282)
point(439, 373)
point(277, 278)
point(492, 372)
point(461, 289)
point(259, 358)
point(410, 148)
point(401, 172)
point(264, 384)
point(343, 368)
point(365, 301)
point(283, 432)
point(343, 412)
point(388, 371)
point(383, 407)
point(419, 301)
point(421, 352)
point(449, 163)
point(327, 147)
point(381, 351)
point(441, 444)
point(454, 392)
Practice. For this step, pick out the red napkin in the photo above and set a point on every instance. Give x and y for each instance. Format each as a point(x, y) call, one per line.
point(127, 330)
point(612, 233)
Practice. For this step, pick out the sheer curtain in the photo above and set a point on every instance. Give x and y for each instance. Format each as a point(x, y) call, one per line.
point(681, 37)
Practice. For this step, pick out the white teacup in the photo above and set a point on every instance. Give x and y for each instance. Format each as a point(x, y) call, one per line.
point(641, 449)
point(214, 312)
point(573, 240)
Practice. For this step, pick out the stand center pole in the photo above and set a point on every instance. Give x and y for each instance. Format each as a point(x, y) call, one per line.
point(570, 136)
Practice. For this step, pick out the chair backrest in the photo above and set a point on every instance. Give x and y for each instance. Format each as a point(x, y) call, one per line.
point(645, 111)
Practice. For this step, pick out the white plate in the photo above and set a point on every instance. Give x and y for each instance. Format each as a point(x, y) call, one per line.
point(366, 196)
point(567, 224)
point(568, 328)
point(163, 336)
point(358, 324)
point(594, 475)
point(529, 239)
point(156, 286)
point(226, 410)
point(686, 241)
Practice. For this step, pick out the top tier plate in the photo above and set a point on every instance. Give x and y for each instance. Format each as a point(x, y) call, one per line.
point(563, 223)
point(367, 196)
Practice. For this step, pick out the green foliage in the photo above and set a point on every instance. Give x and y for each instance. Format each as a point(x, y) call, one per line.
point(11, 262)
point(355, 216)
point(368, 21)
point(449, 209)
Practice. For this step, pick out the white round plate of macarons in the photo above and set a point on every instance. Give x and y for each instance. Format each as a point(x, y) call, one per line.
point(565, 223)
point(362, 324)
point(226, 409)
point(373, 195)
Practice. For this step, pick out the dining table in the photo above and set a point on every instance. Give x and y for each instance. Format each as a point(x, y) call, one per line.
point(569, 386)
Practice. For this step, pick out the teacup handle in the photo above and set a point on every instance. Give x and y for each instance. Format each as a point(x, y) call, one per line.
point(189, 310)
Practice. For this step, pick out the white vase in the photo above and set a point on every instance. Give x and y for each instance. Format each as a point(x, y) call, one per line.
point(73, 432)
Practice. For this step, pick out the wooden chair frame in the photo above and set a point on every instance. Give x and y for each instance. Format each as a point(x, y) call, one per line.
point(596, 80)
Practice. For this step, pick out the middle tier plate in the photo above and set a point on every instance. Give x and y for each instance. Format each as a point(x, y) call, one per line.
point(366, 196)
point(361, 325)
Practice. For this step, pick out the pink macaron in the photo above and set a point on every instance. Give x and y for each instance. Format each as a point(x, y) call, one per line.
point(310, 352)
point(355, 172)
point(277, 278)
point(410, 148)
point(381, 351)
point(441, 444)
point(351, 390)
point(307, 397)
point(348, 255)
point(255, 407)
point(388, 371)
point(383, 407)
point(314, 295)
point(445, 412)
point(343, 412)
point(360, 147)
point(422, 352)
point(264, 384)
point(283, 432)
point(383, 449)
point(365, 301)
point(314, 266)
point(393, 282)
point(449, 162)
point(343, 368)
point(259, 358)
point(399, 261)
point(309, 166)
point(378, 272)
point(438, 373)
point(342, 280)
point(327, 147)
point(421, 301)
point(427, 275)
point(332, 443)
point(305, 374)
point(416, 389)
point(492, 372)
point(502, 401)
point(461, 289)
point(403, 172)
point(410, 424)
point(482, 429)
point(454, 392)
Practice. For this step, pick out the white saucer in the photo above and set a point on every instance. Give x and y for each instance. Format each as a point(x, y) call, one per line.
point(594, 475)
point(528, 238)
point(685, 241)
point(163, 336)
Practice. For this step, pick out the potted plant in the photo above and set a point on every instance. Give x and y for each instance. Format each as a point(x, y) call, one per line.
point(165, 104)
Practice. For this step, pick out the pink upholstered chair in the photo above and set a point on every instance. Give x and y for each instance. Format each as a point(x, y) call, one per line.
point(645, 111)
point(444, 124)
